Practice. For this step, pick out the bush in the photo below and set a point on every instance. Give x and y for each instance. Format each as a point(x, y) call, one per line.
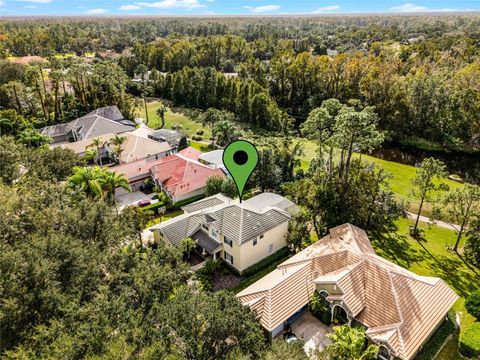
point(179, 204)
point(469, 343)
point(473, 304)
point(205, 282)
point(438, 339)
point(153, 207)
point(199, 132)
point(266, 262)
point(197, 138)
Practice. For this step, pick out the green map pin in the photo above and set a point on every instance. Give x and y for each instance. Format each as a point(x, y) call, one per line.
point(240, 158)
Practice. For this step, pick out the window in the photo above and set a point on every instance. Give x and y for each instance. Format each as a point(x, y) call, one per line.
point(228, 257)
point(214, 233)
point(205, 226)
point(323, 293)
point(383, 353)
point(227, 241)
point(261, 236)
point(270, 248)
point(254, 242)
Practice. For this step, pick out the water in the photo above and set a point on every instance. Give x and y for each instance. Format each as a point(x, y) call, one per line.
point(466, 165)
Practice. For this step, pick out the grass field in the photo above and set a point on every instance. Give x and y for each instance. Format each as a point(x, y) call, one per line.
point(432, 257)
point(173, 115)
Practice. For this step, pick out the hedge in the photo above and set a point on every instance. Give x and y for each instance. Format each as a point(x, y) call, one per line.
point(179, 204)
point(438, 339)
point(153, 207)
point(469, 343)
point(266, 262)
point(473, 304)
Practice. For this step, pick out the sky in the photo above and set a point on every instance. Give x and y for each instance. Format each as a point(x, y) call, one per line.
point(225, 7)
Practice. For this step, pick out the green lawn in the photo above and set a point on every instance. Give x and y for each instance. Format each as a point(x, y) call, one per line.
point(167, 216)
point(432, 258)
point(173, 115)
point(400, 182)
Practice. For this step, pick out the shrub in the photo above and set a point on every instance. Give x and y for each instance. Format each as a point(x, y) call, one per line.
point(469, 343)
point(197, 138)
point(153, 207)
point(210, 267)
point(199, 132)
point(266, 262)
point(205, 282)
point(473, 304)
point(438, 339)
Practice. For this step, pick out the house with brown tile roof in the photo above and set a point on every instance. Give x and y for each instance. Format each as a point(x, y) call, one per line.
point(399, 310)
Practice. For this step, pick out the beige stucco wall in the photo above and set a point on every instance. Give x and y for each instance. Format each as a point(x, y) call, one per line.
point(246, 255)
point(332, 289)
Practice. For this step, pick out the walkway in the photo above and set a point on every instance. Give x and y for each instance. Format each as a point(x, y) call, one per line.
point(440, 223)
point(313, 332)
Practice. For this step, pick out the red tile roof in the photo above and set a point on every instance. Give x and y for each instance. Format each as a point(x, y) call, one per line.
point(180, 175)
point(190, 153)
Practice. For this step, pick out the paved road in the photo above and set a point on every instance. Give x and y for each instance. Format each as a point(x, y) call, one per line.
point(425, 219)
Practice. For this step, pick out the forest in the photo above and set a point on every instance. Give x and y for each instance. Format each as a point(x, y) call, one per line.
point(77, 283)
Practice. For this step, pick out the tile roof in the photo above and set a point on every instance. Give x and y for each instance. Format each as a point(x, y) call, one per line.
point(205, 241)
point(234, 219)
point(399, 308)
point(209, 202)
point(180, 175)
point(90, 125)
point(171, 136)
point(190, 153)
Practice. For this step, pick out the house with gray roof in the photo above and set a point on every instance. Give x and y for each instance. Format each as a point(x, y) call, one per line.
point(176, 139)
point(240, 234)
point(102, 121)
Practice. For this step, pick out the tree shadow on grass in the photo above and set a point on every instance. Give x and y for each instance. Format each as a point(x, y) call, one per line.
point(395, 247)
point(454, 272)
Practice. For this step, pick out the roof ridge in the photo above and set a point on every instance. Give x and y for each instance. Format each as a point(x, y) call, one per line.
point(91, 127)
point(395, 297)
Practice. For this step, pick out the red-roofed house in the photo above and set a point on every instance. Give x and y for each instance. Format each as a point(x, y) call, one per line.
point(182, 178)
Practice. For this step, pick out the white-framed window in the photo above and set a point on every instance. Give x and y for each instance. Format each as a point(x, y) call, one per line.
point(227, 241)
point(323, 293)
point(254, 242)
point(214, 233)
point(270, 248)
point(383, 353)
point(228, 257)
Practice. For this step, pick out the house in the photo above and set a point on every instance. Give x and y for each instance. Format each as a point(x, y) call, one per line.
point(108, 120)
point(175, 138)
point(134, 148)
point(179, 176)
point(182, 178)
point(241, 234)
point(398, 309)
point(214, 157)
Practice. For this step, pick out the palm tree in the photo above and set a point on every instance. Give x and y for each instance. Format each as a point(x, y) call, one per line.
point(349, 344)
point(161, 112)
point(117, 142)
point(32, 138)
point(98, 145)
point(226, 132)
point(187, 245)
point(109, 181)
point(87, 180)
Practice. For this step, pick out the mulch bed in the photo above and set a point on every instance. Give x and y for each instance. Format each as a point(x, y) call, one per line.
point(224, 280)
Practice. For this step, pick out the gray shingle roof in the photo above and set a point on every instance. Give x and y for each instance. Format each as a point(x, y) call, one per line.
point(86, 127)
point(239, 222)
point(205, 241)
point(108, 112)
point(171, 136)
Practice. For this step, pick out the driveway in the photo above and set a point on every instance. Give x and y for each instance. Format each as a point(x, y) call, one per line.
point(313, 332)
point(132, 198)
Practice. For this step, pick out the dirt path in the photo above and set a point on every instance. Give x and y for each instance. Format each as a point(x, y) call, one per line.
point(440, 223)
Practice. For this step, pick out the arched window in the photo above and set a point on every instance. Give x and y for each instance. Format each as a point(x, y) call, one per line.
point(383, 353)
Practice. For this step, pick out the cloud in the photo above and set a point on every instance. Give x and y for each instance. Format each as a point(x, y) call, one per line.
point(128, 7)
point(409, 7)
point(2, 3)
point(262, 9)
point(30, 7)
point(96, 11)
point(37, 1)
point(327, 8)
point(172, 4)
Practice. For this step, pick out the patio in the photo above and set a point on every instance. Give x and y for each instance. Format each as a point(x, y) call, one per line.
point(310, 330)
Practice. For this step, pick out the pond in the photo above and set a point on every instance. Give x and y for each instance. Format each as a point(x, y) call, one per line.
point(466, 165)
